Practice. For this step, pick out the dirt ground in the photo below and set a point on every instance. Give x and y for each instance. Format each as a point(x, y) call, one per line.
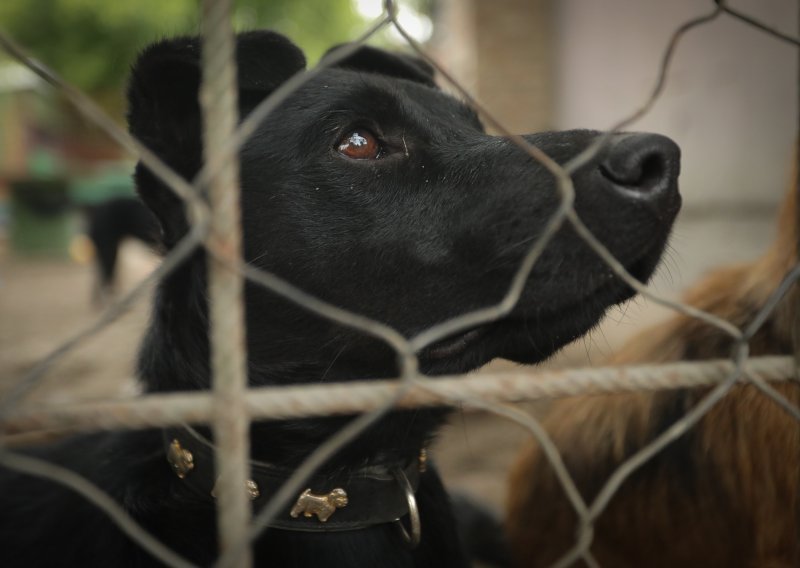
point(42, 302)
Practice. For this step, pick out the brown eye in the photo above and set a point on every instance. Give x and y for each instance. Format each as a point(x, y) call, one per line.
point(359, 145)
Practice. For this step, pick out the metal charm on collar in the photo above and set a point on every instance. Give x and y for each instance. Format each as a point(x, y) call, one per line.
point(412, 538)
point(323, 506)
point(182, 461)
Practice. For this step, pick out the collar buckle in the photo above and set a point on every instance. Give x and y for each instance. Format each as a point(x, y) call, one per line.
point(412, 538)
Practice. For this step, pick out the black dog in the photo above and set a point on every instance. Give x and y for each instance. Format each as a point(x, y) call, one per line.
point(108, 224)
point(372, 189)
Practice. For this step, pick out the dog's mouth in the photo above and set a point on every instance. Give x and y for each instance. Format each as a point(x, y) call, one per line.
point(610, 290)
point(454, 345)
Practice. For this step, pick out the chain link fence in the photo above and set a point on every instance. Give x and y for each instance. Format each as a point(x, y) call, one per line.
point(230, 406)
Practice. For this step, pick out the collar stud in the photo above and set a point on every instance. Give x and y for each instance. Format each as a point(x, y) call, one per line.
point(181, 460)
point(250, 486)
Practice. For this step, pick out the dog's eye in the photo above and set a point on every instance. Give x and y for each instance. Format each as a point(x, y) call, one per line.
point(359, 145)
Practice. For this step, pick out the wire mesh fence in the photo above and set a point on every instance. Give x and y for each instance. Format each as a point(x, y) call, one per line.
point(230, 406)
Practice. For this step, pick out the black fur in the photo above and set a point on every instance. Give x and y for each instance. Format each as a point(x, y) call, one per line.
point(435, 227)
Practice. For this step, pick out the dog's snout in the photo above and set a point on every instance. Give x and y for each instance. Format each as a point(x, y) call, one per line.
point(644, 166)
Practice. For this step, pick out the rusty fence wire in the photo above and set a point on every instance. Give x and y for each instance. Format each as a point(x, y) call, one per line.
point(230, 406)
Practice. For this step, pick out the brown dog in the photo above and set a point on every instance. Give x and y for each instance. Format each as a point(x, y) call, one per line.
point(723, 495)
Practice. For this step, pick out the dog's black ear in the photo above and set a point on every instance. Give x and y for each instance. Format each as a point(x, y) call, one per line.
point(164, 111)
point(374, 60)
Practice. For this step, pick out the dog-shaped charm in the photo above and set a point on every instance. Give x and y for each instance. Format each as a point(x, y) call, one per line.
point(323, 506)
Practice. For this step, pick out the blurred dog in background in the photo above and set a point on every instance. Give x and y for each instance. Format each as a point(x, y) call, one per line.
point(108, 224)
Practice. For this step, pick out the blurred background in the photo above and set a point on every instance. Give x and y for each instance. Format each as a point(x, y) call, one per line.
point(730, 101)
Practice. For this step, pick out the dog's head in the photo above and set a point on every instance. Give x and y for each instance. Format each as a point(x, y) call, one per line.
point(377, 192)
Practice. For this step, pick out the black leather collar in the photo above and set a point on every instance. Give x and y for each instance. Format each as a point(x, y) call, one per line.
point(349, 500)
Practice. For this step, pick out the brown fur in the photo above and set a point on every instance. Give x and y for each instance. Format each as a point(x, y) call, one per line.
point(723, 495)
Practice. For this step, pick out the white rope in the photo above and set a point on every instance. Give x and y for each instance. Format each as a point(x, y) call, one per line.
point(300, 401)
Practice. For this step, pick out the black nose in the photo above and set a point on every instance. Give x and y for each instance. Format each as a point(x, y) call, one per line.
point(644, 166)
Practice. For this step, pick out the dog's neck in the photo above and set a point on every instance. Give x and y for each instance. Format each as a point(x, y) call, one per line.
point(175, 356)
point(395, 438)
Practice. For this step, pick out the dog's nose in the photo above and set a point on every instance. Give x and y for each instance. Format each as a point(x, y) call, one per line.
point(643, 166)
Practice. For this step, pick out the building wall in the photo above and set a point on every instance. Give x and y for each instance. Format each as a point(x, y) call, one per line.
point(514, 39)
point(730, 99)
point(502, 51)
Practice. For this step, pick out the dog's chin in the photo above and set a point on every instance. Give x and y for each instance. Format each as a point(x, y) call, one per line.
point(522, 340)
point(532, 337)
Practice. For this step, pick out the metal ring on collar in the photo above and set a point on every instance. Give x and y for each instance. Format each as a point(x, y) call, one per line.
point(412, 538)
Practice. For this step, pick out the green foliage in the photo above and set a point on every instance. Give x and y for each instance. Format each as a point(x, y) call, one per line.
point(315, 25)
point(93, 42)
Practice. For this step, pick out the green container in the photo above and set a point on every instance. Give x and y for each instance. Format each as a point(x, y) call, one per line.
point(41, 218)
point(109, 183)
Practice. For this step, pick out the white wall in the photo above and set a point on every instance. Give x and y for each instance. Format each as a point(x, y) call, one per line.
point(731, 94)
